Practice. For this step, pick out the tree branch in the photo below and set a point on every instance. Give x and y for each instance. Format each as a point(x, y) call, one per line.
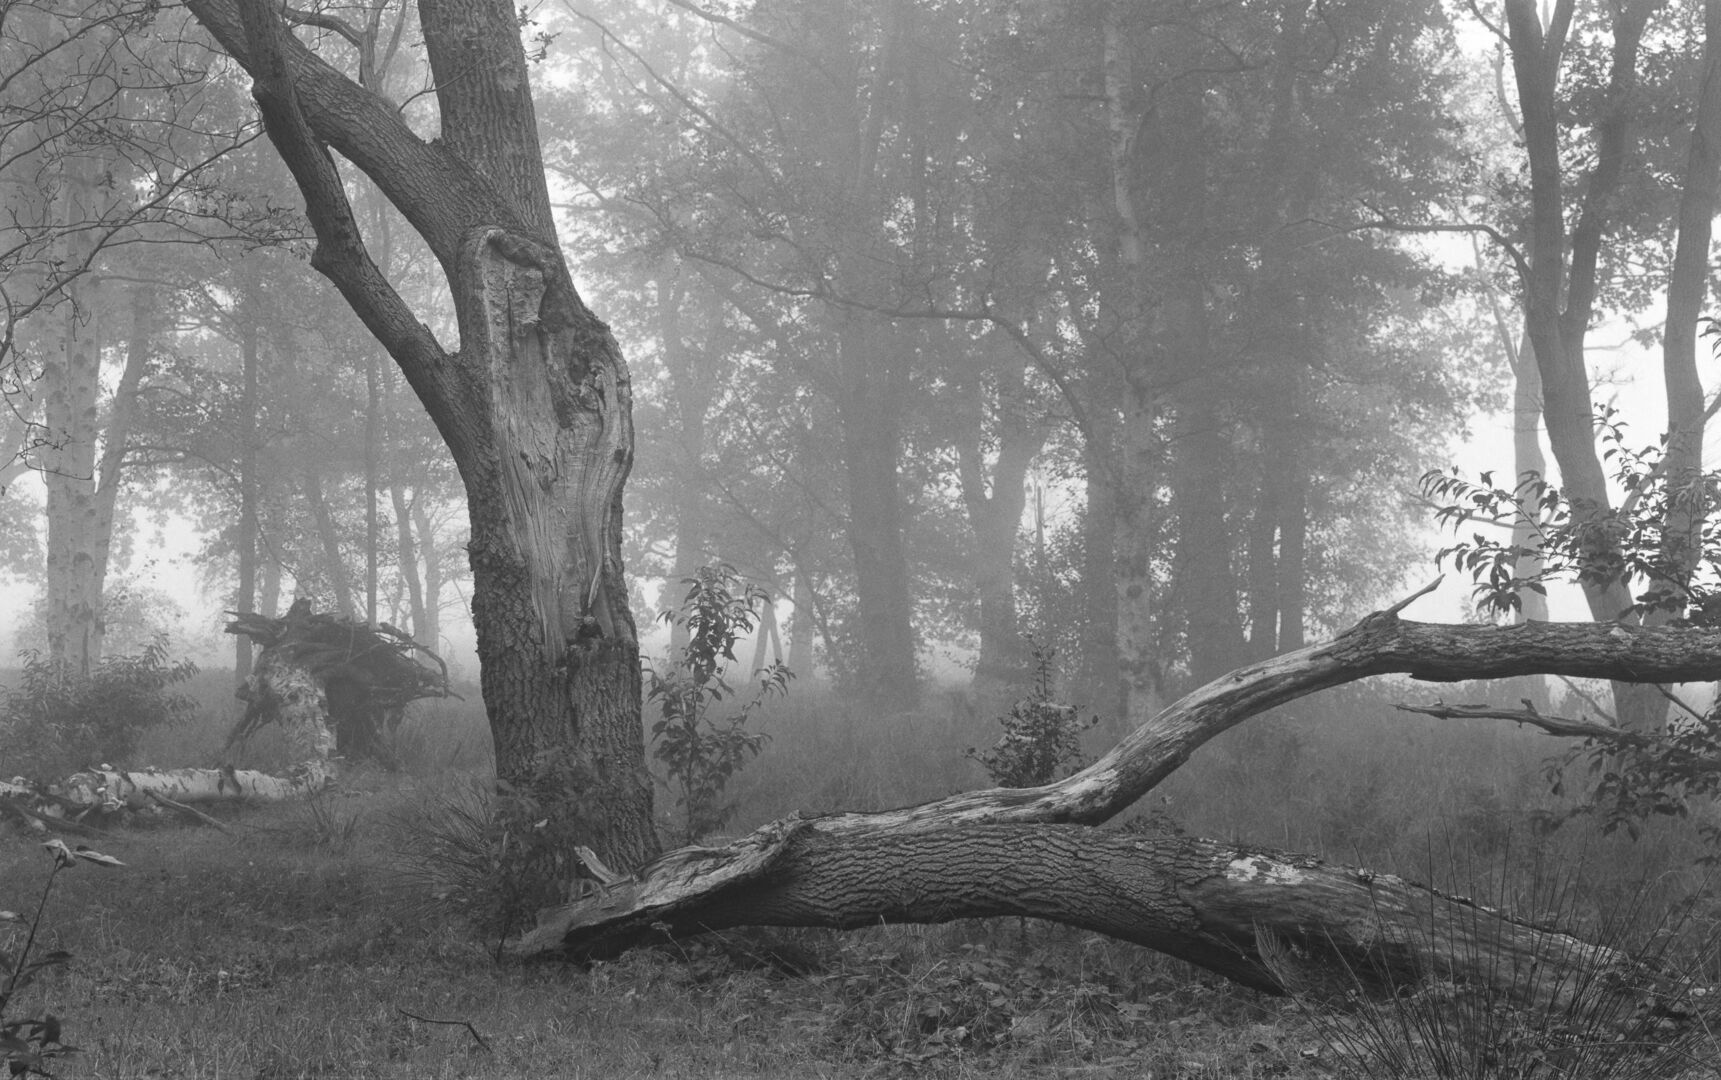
point(1553, 725)
point(340, 254)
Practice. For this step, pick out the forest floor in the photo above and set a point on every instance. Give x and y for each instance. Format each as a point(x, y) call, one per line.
point(291, 947)
point(306, 942)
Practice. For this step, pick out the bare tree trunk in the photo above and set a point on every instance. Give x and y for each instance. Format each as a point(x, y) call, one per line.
point(1138, 465)
point(690, 391)
point(373, 472)
point(995, 517)
point(1688, 283)
point(1527, 461)
point(269, 594)
point(1100, 683)
point(1293, 554)
point(874, 375)
point(246, 601)
point(407, 558)
point(430, 631)
point(406, 545)
point(334, 565)
point(71, 379)
point(802, 624)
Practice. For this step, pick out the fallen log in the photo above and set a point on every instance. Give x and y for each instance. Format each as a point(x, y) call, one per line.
point(1007, 851)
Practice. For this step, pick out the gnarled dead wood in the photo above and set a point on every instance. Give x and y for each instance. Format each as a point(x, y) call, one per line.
point(1014, 852)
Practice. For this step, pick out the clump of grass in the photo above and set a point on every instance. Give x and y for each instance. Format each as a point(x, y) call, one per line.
point(1384, 1025)
point(322, 825)
point(448, 855)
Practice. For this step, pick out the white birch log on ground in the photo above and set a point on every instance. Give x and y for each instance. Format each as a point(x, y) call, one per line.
point(113, 789)
point(299, 705)
point(1018, 851)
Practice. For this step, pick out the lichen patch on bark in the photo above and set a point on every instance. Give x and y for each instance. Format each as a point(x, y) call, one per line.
point(1259, 869)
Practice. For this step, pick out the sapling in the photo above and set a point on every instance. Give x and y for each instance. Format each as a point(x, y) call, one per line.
point(701, 753)
point(1041, 735)
point(27, 1044)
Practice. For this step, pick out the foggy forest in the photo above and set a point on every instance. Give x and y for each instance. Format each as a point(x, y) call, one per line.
point(856, 538)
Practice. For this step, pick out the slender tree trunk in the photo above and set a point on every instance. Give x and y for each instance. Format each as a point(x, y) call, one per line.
point(1560, 286)
point(1140, 456)
point(269, 594)
point(1528, 461)
point(246, 601)
point(1688, 283)
point(870, 410)
point(71, 382)
point(407, 552)
point(1101, 681)
point(406, 545)
point(1206, 590)
point(1293, 555)
point(333, 563)
point(373, 480)
point(1263, 552)
point(690, 391)
point(802, 624)
point(430, 631)
point(995, 517)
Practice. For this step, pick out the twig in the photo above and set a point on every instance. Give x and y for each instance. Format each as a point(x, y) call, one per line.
point(1677, 700)
point(1589, 699)
point(51, 821)
point(173, 804)
point(470, 1030)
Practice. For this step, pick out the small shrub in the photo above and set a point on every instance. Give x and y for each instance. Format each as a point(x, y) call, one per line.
point(701, 753)
point(28, 1044)
point(1041, 736)
point(68, 721)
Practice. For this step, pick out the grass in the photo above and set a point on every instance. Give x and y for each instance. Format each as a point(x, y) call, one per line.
point(272, 954)
point(298, 945)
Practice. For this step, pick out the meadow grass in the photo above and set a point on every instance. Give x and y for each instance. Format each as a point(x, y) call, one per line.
point(269, 953)
point(297, 944)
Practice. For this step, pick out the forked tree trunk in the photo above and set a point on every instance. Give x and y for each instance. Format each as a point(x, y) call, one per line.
point(1020, 852)
point(535, 406)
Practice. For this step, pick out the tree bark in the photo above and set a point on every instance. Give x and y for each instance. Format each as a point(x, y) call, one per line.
point(1016, 851)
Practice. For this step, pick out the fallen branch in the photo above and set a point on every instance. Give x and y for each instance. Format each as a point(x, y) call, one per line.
point(191, 811)
point(1007, 851)
point(470, 1030)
